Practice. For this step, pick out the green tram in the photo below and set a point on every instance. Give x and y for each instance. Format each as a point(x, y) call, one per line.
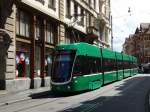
point(81, 66)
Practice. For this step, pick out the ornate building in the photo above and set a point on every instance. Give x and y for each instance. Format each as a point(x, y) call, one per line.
point(138, 44)
point(105, 22)
point(36, 26)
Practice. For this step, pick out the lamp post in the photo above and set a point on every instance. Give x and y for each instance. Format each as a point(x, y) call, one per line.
point(111, 34)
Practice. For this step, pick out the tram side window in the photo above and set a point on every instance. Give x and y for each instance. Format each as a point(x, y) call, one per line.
point(109, 65)
point(99, 65)
point(126, 65)
point(119, 64)
point(86, 65)
point(134, 65)
point(94, 65)
point(131, 64)
point(78, 66)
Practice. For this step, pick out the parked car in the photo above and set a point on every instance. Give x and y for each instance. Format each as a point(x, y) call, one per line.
point(145, 68)
point(140, 68)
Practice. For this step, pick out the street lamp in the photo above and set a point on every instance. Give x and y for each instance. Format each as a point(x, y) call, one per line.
point(112, 34)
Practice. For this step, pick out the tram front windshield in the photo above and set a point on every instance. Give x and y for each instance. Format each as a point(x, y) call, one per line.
point(62, 65)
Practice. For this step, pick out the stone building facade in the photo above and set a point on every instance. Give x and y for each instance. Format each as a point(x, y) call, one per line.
point(138, 44)
point(34, 27)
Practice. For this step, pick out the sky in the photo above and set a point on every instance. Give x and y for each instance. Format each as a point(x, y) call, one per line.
point(124, 22)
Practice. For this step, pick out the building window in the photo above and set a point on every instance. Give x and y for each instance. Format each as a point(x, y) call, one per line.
point(50, 33)
point(67, 40)
point(89, 1)
point(22, 24)
point(48, 61)
point(22, 60)
point(68, 9)
point(82, 17)
point(17, 23)
point(87, 19)
point(41, 1)
point(69, 37)
point(38, 30)
point(94, 4)
point(52, 4)
point(90, 20)
point(75, 10)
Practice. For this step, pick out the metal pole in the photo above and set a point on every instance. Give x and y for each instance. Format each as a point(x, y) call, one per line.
point(111, 34)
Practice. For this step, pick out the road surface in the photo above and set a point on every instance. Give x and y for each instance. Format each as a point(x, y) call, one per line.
point(128, 95)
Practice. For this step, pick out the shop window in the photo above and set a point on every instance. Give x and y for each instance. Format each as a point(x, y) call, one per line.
point(52, 4)
point(22, 60)
point(37, 60)
point(22, 24)
point(50, 33)
point(48, 61)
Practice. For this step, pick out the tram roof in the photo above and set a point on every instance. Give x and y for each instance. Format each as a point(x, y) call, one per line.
point(92, 50)
point(81, 48)
point(126, 57)
point(107, 53)
point(119, 55)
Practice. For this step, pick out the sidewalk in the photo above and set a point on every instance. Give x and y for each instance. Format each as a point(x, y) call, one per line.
point(3, 92)
point(8, 98)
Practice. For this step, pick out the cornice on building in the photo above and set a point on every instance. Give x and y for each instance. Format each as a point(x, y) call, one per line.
point(52, 13)
point(87, 7)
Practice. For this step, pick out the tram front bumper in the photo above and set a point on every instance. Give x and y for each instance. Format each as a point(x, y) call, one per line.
point(61, 88)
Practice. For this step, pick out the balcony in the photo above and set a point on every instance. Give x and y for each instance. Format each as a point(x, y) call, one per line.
point(91, 30)
point(103, 18)
point(92, 34)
